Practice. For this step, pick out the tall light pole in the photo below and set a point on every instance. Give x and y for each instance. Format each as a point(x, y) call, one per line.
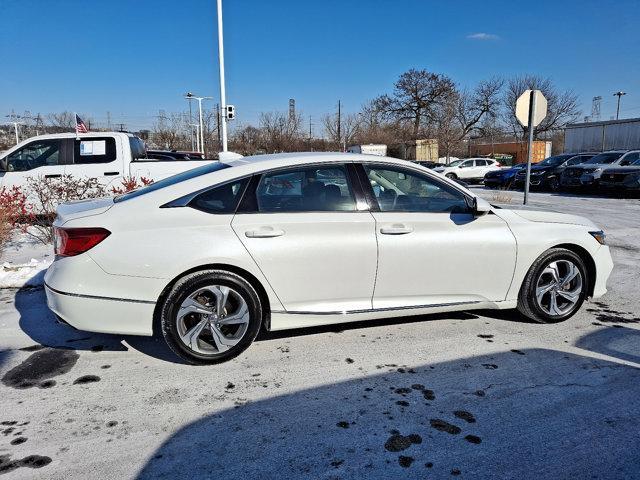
point(618, 94)
point(223, 100)
point(189, 97)
point(200, 118)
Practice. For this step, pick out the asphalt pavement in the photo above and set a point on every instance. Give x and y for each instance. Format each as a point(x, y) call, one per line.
point(466, 395)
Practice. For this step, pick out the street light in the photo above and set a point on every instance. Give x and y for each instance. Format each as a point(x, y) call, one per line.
point(14, 119)
point(199, 99)
point(618, 94)
point(189, 97)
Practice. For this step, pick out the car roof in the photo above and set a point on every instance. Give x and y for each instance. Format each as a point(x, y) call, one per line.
point(265, 162)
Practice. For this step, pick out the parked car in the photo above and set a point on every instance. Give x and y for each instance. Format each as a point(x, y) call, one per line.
point(546, 174)
point(504, 177)
point(108, 156)
point(430, 164)
point(470, 169)
point(175, 155)
point(588, 174)
point(621, 179)
point(211, 256)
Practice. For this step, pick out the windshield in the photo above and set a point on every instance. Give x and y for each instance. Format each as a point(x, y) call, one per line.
point(557, 160)
point(180, 177)
point(608, 157)
point(455, 163)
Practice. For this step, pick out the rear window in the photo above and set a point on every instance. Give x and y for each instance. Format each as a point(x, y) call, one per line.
point(167, 182)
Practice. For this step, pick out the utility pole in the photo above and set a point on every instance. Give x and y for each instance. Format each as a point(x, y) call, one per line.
point(618, 94)
point(339, 126)
point(109, 121)
point(223, 100)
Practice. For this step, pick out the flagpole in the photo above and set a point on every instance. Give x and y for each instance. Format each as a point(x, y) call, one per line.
point(75, 116)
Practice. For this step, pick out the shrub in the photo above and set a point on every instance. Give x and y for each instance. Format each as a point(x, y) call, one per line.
point(32, 209)
point(131, 183)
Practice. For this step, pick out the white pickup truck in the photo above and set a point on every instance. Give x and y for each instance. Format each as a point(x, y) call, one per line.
point(108, 156)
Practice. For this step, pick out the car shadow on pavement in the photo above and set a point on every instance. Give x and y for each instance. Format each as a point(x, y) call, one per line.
point(515, 414)
point(616, 341)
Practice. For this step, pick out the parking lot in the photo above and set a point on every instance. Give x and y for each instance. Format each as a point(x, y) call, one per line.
point(469, 395)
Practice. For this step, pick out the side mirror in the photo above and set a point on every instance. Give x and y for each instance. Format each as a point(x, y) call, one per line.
point(480, 206)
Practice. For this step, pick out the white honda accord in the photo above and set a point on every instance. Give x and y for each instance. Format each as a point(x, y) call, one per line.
point(210, 256)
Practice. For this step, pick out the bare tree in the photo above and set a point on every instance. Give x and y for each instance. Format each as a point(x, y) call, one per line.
point(415, 97)
point(562, 107)
point(472, 108)
point(349, 127)
point(281, 132)
point(169, 132)
point(248, 140)
point(66, 121)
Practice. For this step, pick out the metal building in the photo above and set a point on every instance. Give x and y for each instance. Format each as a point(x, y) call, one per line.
point(601, 136)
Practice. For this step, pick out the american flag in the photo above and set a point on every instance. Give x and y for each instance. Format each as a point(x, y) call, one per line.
point(80, 126)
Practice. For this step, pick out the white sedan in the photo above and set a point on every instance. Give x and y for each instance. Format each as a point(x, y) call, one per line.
point(210, 256)
point(470, 169)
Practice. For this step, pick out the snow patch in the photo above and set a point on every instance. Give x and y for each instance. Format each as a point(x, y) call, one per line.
point(24, 274)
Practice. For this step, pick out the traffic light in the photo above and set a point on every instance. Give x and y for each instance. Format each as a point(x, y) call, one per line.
point(231, 112)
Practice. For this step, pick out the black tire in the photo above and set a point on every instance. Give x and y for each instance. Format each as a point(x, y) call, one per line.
point(527, 302)
point(186, 286)
point(452, 176)
point(554, 184)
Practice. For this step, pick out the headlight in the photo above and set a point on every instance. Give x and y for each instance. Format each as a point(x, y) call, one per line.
point(599, 236)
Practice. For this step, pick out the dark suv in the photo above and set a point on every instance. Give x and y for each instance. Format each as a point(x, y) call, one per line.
point(546, 174)
point(621, 179)
point(587, 174)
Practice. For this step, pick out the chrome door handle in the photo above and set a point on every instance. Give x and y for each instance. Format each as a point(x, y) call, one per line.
point(396, 230)
point(264, 233)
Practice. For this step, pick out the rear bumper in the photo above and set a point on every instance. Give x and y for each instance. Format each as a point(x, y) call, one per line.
point(87, 298)
point(102, 314)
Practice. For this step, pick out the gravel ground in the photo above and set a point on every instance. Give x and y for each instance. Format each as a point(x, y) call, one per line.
point(469, 395)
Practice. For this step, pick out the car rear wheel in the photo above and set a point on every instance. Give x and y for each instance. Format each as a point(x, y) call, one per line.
point(211, 316)
point(555, 287)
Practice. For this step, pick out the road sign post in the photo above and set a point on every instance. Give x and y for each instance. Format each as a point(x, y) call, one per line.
point(531, 108)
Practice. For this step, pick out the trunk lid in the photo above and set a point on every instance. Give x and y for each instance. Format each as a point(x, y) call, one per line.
point(82, 208)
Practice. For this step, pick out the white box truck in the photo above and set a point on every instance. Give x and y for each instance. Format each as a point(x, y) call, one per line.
point(370, 149)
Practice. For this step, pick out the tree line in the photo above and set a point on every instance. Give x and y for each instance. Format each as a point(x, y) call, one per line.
point(420, 105)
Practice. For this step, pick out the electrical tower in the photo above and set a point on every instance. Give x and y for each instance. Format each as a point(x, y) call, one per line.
point(292, 109)
point(595, 108)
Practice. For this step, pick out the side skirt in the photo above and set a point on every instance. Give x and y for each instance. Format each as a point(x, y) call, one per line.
point(282, 320)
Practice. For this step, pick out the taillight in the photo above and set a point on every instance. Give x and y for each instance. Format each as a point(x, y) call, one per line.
point(498, 164)
point(74, 241)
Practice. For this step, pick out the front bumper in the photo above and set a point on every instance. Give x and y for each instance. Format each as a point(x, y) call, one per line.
point(604, 266)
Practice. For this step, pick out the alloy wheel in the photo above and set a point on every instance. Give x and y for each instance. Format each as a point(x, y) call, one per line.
point(559, 288)
point(212, 319)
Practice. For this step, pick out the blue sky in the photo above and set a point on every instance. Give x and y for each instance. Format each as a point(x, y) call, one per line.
point(133, 58)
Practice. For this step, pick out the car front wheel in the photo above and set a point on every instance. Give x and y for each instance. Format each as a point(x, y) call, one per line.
point(452, 176)
point(555, 287)
point(211, 316)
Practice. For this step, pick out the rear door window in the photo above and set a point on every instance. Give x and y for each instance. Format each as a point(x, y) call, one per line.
point(94, 150)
